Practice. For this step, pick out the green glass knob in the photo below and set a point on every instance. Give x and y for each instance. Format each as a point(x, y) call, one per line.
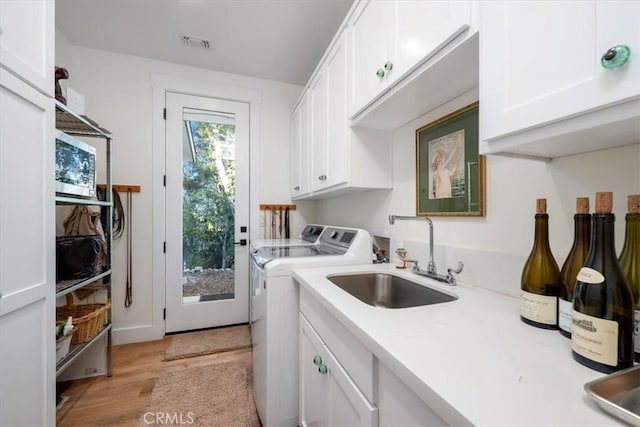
point(615, 57)
point(322, 369)
point(388, 65)
point(317, 360)
point(380, 73)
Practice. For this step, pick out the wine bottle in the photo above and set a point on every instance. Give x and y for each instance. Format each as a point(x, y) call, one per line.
point(573, 263)
point(540, 284)
point(630, 262)
point(602, 333)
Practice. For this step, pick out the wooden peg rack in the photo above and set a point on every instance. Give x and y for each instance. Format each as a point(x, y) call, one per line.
point(122, 188)
point(277, 207)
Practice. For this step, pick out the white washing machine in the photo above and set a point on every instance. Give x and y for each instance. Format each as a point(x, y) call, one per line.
point(275, 305)
point(309, 236)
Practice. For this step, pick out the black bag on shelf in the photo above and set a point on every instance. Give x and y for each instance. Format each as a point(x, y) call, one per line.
point(77, 257)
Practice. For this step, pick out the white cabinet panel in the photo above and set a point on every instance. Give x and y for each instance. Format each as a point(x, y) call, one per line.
point(319, 127)
point(27, 391)
point(328, 396)
point(26, 184)
point(424, 27)
point(370, 34)
point(548, 70)
point(300, 143)
point(27, 41)
point(337, 122)
point(27, 282)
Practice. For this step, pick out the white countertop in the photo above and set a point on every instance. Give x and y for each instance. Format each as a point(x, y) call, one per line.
point(471, 360)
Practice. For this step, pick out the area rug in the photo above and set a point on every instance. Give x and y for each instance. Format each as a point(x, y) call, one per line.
point(211, 395)
point(207, 342)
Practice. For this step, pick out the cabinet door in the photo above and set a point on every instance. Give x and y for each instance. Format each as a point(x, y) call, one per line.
point(328, 396)
point(27, 254)
point(299, 155)
point(27, 41)
point(312, 382)
point(369, 28)
point(422, 28)
point(295, 152)
point(319, 127)
point(337, 115)
point(548, 68)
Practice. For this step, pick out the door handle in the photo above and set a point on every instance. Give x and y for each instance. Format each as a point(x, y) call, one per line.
point(242, 242)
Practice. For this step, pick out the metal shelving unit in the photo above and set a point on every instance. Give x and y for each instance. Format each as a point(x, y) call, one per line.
point(73, 124)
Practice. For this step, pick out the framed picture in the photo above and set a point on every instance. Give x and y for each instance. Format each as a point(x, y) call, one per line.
point(450, 174)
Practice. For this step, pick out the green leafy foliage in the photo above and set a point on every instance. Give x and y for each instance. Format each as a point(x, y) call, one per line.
point(208, 198)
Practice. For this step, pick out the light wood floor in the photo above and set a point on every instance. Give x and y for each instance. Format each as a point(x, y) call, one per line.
point(121, 399)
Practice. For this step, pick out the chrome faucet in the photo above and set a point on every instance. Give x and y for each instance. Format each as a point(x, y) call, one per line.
point(431, 271)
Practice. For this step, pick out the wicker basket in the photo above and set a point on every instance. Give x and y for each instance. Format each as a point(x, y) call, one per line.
point(89, 319)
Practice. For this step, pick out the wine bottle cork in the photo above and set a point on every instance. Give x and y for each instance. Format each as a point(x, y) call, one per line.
point(541, 206)
point(582, 205)
point(633, 203)
point(604, 202)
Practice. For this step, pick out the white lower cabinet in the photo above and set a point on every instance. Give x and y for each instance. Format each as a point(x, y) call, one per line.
point(328, 396)
point(342, 383)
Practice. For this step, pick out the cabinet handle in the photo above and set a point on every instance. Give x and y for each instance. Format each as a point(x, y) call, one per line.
point(297, 187)
point(380, 73)
point(317, 360)
point(322, 369)
point(388, 65)
point(615, 57)
point(322, 177)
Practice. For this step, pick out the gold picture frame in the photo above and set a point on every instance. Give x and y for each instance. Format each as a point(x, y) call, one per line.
point(450, 173)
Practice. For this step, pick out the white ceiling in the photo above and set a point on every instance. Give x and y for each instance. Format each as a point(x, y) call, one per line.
point(280, 40)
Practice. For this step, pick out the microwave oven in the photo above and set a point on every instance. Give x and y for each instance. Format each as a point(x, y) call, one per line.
point(75, 166)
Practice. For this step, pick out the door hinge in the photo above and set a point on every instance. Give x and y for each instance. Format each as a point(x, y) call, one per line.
point(164, 180)
point(164, 114)
point(164, 247)
point(164, 314)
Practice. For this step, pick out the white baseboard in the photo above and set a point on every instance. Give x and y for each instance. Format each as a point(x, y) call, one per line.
point(136, 334)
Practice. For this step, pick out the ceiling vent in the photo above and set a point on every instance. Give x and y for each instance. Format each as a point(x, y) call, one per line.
point(195, 42)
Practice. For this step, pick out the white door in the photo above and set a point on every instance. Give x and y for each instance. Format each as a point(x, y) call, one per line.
point(207, 212)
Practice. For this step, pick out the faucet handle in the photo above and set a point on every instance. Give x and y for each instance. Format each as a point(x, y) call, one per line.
point(457, 270)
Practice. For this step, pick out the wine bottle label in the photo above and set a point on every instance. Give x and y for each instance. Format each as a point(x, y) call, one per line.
point(595, 338)
point(589, 275)
point(636, 331)
point(539, 308)
point(565, 309)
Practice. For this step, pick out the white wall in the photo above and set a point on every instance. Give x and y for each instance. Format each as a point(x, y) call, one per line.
point(118, 95)
point(493, 248)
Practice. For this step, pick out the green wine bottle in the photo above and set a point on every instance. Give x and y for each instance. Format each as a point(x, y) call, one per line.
point(540, 283)
point(630, 262)
point(602, 333)
point(573, 263)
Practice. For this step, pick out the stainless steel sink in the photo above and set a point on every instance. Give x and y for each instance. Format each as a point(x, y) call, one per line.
point(388, 291)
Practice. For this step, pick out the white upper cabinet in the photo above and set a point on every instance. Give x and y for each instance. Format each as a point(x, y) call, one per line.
point(370, 28)
point(389, 39)
point(329, 126)
point(27, 41)
point(328, 157)
point(300, 134)
point(544, 91)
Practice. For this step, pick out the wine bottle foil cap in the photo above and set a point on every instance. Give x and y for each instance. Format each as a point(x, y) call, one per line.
point(604, 202)
point(582, 205)
point(633, 203)
point(541, 206)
